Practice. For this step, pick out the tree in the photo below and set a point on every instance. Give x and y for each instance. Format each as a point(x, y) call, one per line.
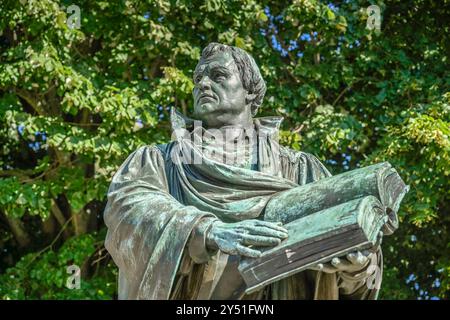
point(74, 102)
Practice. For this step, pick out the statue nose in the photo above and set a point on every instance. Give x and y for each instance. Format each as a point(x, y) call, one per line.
point(205, 83)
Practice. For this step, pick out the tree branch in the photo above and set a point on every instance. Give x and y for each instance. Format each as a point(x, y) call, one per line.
point(25, 95)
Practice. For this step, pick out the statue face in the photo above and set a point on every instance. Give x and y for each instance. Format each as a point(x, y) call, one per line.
point(219, 95)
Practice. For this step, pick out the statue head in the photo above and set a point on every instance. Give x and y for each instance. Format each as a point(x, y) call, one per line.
point(228, 88)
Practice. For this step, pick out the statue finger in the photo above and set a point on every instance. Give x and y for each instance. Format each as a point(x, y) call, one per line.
point(264, 231)
point(361, 258)
point(357, 258)
point(324, 267)
point(278, 226)
point(248, 252)
point(262, 241)
point(228, 248)
point(340, 264)
point(352, 257)
point(336, 262)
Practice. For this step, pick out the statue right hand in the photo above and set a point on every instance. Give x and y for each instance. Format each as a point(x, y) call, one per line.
point(241, 238)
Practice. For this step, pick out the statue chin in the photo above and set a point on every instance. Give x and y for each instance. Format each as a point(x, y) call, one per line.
point(210, 106)
point(206, 110)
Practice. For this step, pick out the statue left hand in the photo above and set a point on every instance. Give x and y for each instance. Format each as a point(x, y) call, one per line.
point(352, 262)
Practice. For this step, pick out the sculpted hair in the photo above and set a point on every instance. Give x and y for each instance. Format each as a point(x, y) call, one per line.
point(248, 70)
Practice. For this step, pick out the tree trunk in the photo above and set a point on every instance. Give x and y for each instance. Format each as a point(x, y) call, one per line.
point(18, 230)
point(81, 222)
point(59, 216)
point(49, 226)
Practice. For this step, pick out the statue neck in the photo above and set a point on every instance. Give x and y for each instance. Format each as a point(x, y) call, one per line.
point(234, 132)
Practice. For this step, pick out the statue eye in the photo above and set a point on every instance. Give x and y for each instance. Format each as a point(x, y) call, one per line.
point(197, 78)
point(219, 76)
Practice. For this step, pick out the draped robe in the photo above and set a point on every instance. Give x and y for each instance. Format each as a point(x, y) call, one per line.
point(156, 202)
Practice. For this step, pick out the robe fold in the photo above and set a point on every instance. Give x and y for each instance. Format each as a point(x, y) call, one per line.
point(156, 202)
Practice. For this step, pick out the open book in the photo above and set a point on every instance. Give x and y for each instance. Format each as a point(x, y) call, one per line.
point(378, 180)
point(326, 219)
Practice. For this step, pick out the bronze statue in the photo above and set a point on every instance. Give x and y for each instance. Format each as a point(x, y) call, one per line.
point(180, 216)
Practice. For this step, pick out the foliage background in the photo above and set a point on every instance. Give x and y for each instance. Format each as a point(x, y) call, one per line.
point(75, 102)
